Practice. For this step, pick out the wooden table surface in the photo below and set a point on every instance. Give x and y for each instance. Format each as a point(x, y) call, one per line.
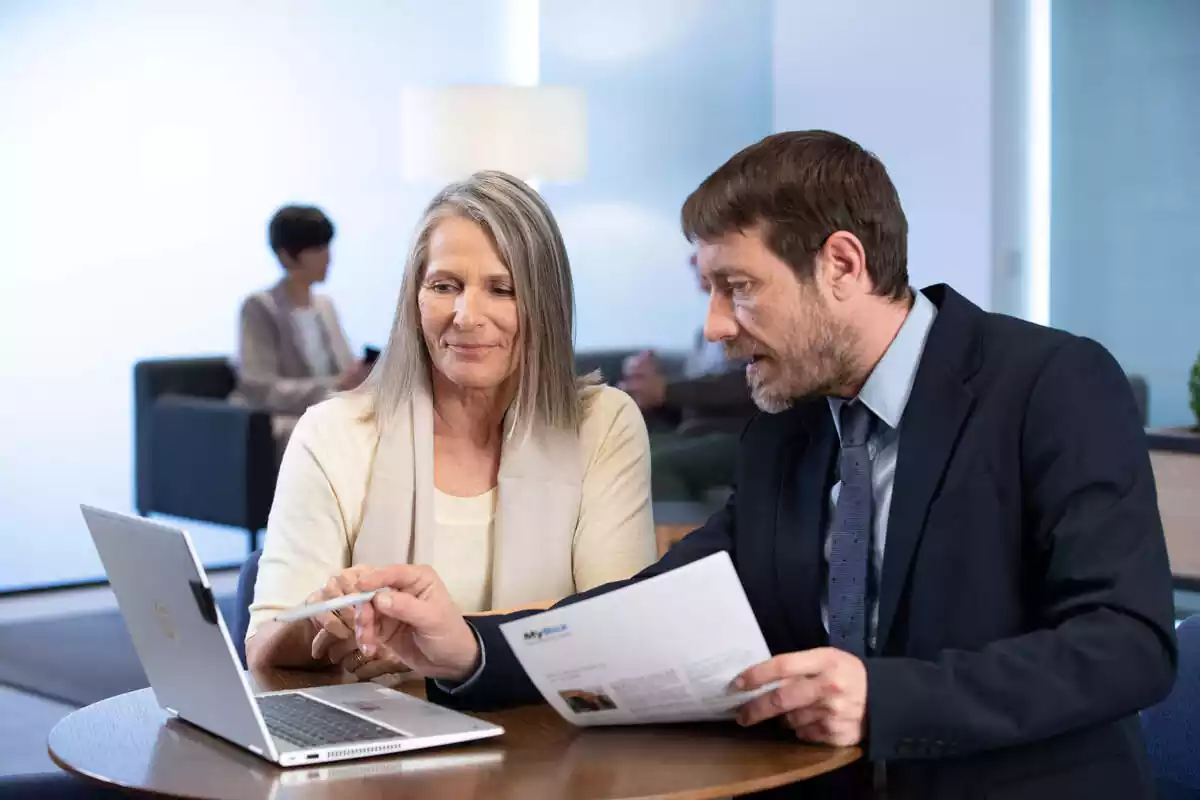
point(130, 742)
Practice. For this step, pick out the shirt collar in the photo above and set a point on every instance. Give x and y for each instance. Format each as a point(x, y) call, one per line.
point(889, 385)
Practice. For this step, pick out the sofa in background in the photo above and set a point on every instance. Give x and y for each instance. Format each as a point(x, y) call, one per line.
point(198, 455)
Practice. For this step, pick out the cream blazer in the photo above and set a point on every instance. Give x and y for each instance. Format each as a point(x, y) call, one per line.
point(573, 510)
point(272, 371)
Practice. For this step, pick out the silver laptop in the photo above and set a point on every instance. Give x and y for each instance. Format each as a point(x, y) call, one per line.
point(186, 651)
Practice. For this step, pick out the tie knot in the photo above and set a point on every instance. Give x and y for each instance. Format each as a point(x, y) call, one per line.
point(856, 421)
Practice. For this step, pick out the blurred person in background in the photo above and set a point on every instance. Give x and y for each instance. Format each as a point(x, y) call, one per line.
point(695, 420)
point(292, 351)
point(473, 446)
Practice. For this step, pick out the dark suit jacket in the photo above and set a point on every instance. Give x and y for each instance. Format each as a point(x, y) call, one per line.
point(1026, 612)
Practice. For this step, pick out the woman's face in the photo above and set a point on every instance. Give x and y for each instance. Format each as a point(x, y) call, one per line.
point(468, 307)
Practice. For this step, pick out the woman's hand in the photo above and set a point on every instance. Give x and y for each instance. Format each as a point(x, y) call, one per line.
point(333, 631)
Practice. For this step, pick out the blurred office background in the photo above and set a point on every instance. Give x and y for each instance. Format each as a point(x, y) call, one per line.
point(1045, 152)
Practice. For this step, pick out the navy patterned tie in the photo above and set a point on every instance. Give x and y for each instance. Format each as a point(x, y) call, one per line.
point(849, 551)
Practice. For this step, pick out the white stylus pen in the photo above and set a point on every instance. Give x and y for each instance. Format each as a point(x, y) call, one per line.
point(345, 601)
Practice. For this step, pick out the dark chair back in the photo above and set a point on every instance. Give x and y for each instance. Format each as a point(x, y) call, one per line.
point(213, 378)
point(1172, 728)
point(245, 596)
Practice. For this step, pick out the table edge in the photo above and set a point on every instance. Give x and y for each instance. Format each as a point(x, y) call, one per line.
point(100, 780)
point(841, 757)
point(838, 758)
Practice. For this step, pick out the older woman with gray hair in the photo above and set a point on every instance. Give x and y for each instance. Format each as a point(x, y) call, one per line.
point(472, 447)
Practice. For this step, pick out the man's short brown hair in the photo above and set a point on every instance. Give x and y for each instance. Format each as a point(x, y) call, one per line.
point(798, 188)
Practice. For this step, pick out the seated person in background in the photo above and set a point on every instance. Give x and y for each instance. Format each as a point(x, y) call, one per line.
point(292, 351)
point(473, 446)
point(695, 421)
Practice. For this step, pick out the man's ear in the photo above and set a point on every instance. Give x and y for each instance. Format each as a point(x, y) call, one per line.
point(844, 264)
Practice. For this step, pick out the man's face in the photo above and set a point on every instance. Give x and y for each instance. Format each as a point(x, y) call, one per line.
point(763, 312)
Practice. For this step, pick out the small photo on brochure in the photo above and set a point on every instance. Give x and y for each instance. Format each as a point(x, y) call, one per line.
point(584, 701)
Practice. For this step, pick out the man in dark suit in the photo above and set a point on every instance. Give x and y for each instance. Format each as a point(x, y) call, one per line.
point(945, 521)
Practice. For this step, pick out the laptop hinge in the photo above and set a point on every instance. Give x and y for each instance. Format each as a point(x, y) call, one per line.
point(205, 602)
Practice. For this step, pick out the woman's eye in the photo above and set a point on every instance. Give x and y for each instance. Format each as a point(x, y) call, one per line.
point(441, 287)
point(503, 291)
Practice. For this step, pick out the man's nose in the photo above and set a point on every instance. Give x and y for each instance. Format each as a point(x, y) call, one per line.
point(720, 324)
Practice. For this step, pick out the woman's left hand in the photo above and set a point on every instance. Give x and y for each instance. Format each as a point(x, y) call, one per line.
point(346, 655)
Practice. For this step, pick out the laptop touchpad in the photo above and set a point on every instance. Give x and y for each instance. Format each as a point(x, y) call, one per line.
point(397, 709)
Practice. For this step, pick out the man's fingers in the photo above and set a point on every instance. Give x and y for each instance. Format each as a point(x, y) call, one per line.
point(386, 628)
point(813, 732)
point(405, 608)
point(801, 718)
point(829, 731)
point(804, 664)
point(790, 696)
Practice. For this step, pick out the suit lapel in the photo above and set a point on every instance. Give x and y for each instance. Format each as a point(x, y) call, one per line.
point(800, 524)
point(929, 430)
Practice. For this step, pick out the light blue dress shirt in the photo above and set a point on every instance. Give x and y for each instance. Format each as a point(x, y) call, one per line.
point(886, 393)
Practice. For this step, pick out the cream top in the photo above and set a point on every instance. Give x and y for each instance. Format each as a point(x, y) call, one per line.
point(463, 545)
point(312, 341)
point(313, 528)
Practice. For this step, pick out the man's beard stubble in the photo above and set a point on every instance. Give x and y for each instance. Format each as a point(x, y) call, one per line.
point(820, 367)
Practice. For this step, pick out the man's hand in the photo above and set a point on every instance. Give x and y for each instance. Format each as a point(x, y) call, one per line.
point(643, 381)
point(416, 624)
point(822, 695)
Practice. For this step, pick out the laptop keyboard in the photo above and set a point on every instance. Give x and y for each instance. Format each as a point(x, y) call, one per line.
point(305, 722)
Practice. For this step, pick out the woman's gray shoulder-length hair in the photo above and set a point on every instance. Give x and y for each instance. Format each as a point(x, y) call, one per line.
point(530, 245)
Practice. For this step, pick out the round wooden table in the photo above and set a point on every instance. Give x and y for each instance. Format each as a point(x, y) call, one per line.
point(128, 741)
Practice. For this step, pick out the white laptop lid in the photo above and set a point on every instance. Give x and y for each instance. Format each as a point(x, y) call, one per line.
point(176, 628)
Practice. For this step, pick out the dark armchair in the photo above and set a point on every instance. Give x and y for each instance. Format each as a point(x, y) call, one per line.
point(198, 455)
